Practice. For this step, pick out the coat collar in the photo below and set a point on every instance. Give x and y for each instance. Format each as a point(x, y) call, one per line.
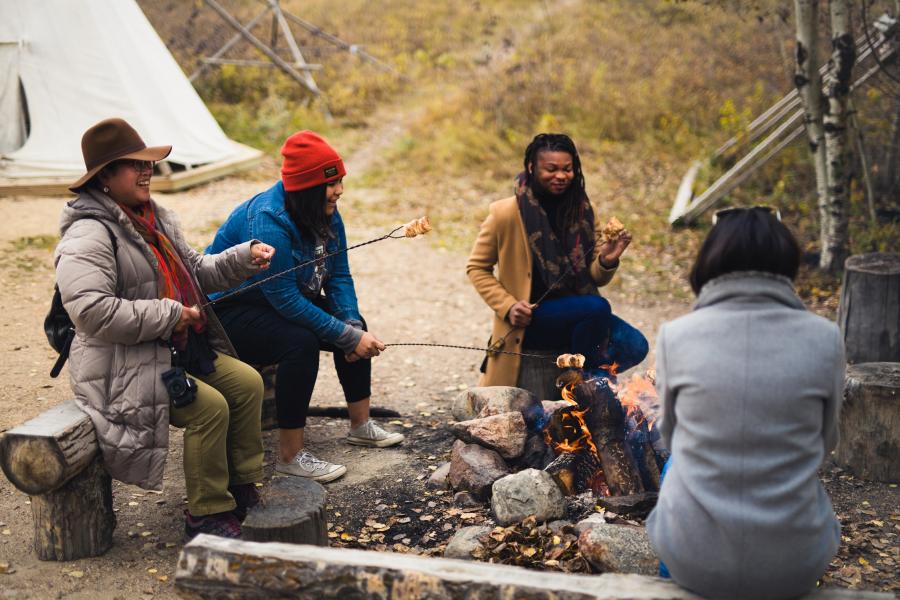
point(756, 286)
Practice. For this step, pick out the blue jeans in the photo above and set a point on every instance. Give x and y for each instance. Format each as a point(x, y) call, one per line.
point(585, 325)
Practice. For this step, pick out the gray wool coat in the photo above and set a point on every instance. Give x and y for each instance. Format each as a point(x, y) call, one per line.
point(751, 385)
point(116, 358)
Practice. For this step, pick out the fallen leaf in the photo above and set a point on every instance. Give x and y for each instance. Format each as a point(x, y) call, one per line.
point(76, 574)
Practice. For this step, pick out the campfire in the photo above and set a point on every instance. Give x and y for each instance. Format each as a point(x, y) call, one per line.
point(605, 441)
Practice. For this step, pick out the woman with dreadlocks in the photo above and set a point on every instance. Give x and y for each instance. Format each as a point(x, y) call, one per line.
point(551, 256)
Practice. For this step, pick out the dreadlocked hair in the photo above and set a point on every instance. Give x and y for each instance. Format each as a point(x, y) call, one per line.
point(307, 210)
point(575, 196)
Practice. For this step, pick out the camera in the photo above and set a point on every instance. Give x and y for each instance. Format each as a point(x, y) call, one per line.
point(182, 389)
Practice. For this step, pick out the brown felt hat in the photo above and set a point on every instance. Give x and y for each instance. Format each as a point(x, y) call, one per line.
point(112, 139)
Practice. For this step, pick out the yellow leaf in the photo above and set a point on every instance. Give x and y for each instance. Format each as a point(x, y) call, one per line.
point(529, 551)
point(152, 571)
point(863, 561)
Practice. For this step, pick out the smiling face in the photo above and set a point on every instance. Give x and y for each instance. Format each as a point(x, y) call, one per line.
point(553, 171)
point(128, 181)
point(333, 193)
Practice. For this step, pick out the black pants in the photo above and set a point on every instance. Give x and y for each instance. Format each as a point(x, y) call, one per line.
point(261, 336)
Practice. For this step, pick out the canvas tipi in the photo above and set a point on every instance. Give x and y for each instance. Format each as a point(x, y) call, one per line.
point(66, 64)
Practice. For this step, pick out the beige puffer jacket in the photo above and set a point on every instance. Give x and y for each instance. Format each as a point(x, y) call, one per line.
point(116, 357)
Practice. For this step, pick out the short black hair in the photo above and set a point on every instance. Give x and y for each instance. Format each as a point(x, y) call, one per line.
point(750, 239)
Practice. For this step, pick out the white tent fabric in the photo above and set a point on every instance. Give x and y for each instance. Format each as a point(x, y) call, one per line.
point(80, 61)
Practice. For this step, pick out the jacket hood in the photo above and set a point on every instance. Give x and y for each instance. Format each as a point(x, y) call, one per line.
point(749, 285)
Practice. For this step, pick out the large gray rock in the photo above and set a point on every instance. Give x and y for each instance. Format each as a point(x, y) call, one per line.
point(528, 492)
point(439, 479)
point(465, 541)
point(504, 433)
point(594, 519)
point(494, 400)
point(474, 468)
point(618, 549)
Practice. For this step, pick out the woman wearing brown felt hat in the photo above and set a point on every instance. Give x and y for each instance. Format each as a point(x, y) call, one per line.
point(145, 353)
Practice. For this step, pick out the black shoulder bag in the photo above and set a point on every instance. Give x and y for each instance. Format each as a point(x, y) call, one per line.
point(58, 326)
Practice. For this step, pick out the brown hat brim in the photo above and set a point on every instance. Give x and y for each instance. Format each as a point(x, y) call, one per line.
point(153, 153)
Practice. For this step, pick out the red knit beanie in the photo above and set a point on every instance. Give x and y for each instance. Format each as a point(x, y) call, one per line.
point(309, 161)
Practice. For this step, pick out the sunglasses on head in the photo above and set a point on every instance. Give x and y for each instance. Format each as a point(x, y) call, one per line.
point(720, 214)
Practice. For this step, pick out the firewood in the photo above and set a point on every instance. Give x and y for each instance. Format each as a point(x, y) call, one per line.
point(292, 509)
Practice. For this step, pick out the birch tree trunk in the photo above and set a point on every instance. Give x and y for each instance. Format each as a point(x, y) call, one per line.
point(834, 239)
point(809, 88)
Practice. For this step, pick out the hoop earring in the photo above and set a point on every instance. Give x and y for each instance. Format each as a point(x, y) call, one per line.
point(105, 189)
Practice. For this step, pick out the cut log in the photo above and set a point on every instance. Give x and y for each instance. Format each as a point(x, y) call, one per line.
point(605, 419)
point(292, 509)
point(218, 568)
point(77, 519)
point(49, 450)
point(869, 311)
point(870, 422)
point(538, 375)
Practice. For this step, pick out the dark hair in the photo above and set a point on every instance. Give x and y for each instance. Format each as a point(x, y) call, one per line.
point(307, 210)
point(750, 239)
point(576, 194)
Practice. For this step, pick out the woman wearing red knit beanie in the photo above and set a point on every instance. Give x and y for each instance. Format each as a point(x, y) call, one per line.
point(288, 320)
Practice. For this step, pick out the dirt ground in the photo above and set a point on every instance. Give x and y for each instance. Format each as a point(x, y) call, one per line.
point(409, 291)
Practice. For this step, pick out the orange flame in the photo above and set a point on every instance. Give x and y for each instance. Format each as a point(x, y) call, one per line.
point(638, 397)
point(579, 426)
point(612, 369)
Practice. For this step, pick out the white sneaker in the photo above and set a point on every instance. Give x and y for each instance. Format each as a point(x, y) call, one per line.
point(307, 465)
point(371, 434)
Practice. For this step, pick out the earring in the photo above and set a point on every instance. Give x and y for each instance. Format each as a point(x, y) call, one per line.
point(105, 189)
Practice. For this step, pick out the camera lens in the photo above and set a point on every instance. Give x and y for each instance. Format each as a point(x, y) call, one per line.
point(177, 387)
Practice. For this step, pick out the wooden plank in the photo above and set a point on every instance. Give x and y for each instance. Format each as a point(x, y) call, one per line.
point(44, 453)
point(214, 567)
point(685, 192)
point(178, 180)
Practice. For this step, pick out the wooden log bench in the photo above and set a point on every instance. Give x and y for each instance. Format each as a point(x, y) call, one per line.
point(211, 567)
point(55, 459)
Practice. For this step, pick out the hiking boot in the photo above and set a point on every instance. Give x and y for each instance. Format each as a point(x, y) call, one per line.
point(371, 434)
point(246, 497)
point(223, 524)
point(307, 465)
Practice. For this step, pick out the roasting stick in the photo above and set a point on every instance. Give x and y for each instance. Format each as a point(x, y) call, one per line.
point(412, 229)
point(495, 347)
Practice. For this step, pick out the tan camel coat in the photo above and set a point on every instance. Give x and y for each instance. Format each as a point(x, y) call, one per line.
point(503, 242)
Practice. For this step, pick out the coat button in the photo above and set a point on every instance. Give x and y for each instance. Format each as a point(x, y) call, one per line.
point(518, 340)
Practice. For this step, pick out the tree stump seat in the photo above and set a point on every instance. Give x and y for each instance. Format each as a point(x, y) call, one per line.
point(870, 422)
point(291, 509)
point(55, 459)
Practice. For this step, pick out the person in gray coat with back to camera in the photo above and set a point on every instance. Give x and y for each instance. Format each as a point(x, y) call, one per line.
point(751, 384)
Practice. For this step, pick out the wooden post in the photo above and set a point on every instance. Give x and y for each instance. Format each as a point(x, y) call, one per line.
point(292, 509)
point(77, 519)
point(870, 422)
point(869, 310)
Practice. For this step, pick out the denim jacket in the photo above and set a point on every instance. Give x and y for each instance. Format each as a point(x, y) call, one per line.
point(265, 218)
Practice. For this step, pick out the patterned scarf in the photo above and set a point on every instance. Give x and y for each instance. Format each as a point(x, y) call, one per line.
point(175, 281)
point(552, 256)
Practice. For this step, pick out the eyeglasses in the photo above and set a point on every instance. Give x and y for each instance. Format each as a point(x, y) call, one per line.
point(138, 165)
point(719, 214)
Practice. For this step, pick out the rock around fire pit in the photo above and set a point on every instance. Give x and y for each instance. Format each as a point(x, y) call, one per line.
point(512, 446)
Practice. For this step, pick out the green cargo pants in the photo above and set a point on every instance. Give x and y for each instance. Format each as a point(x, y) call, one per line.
point(222, 435)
